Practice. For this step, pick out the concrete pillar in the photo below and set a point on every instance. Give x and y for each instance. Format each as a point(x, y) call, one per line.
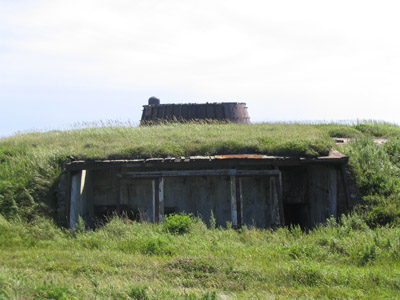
point(158, 200)
point(161, 199)
point(76, 205)
point(236, 202)
point(233, 201)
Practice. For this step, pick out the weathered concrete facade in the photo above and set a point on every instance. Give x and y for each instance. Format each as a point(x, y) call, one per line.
point(249, 190)
point(155, 112)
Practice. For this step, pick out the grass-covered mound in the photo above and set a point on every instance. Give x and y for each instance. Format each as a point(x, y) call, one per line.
point(175, 140)
point(31, 163)
point(181, 258)
point(129, 260)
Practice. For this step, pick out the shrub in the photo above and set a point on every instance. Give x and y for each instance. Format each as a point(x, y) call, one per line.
point(178, 223)
point(376, 171)
point(352, 222)
point(343, 131)
point(383, 210)
point(138, 293)
point(392, 148)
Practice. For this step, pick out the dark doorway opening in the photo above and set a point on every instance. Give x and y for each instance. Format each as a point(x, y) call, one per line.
point(296, 214)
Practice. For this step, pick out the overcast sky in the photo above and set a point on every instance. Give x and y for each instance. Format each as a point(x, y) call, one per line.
point(63, 62)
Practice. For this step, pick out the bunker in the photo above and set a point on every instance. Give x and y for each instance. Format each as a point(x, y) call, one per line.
point(155, 112)
point(253, 190)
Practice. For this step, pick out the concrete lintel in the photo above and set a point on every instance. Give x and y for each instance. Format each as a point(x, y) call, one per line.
point(184, 173)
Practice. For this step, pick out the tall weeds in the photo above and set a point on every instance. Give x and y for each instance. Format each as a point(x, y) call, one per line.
point(377, 174)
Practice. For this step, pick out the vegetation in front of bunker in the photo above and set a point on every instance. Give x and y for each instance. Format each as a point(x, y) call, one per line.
point(130, 260)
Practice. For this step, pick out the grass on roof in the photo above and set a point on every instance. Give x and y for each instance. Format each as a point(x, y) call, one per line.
point(177, 140)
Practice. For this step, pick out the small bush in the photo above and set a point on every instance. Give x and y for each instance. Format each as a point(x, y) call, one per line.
point(344, 131)
point(156, 246)
point(138, 293)
point(383, 211)
point(352, 222)
point(178, 223)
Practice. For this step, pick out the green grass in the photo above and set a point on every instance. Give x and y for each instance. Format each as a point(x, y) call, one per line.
point(376, 170)
point(182, 259)
point(129, 260)
point(176, 140)
point(361, 129)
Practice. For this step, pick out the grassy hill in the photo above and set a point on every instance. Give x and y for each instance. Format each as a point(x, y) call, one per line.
point(31, 163)
point(355, 259)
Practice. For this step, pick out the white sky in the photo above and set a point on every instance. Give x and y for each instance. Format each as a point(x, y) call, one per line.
point(63, 62)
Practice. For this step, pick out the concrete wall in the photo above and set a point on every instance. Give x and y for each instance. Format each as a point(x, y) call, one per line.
point(137, 197)
point(310, 196)
point(199, 195)
point(260, 202)
point(322, 194)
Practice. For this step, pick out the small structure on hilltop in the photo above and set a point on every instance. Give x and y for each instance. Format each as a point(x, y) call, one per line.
point(155, 112)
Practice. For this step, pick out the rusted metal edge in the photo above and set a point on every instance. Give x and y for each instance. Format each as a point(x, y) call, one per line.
point(333, 157)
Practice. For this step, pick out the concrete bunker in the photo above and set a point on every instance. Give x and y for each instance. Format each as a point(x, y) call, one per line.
point(253, 190)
